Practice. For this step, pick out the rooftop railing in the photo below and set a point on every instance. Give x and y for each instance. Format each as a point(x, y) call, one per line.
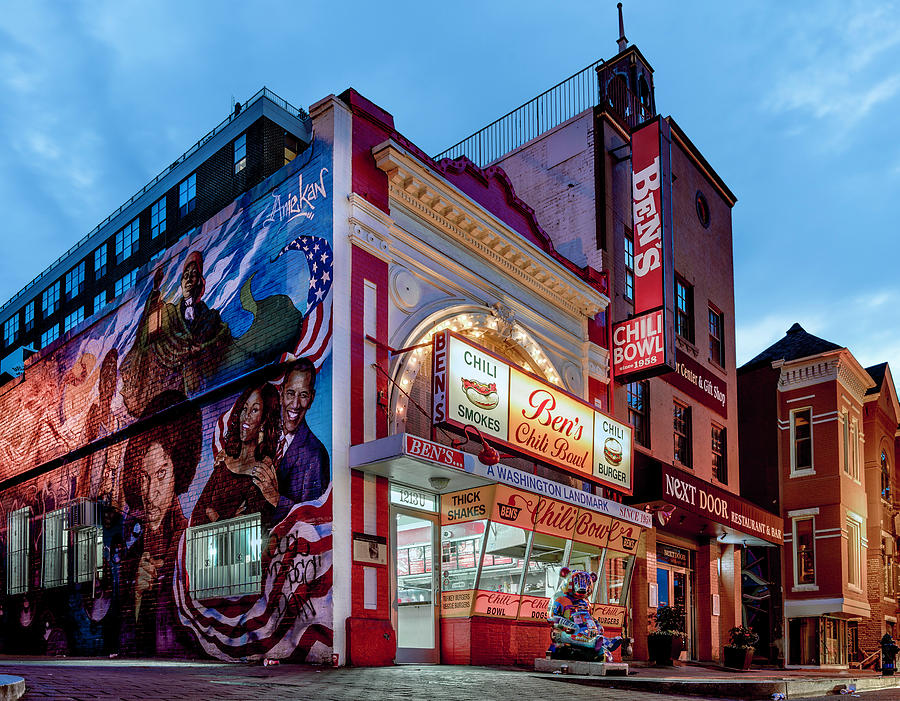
point(260, 94)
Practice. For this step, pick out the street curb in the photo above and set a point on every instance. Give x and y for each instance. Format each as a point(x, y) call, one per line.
point(11, 687)
point(740, 689)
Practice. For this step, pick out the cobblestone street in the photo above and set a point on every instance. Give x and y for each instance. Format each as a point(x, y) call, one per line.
point(133, 679)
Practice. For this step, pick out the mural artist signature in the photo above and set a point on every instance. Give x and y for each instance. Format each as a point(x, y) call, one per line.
point(299, 204)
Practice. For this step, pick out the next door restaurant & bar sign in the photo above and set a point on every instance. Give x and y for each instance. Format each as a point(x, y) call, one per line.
point(472, 386)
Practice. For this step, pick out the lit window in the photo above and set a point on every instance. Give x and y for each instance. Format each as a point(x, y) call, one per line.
point(29, 317)
point(225, 558)
point(100, 262)
point(127, 241)
point(719, 455)
point(187, 194)
point(716, 337)
point(88, 553)
point(291, 147)
point(684, 310)
point(801, 440)
point(639, 411)
point(11, 329)
point(99, 301)
point(75, 281)
point(158, 218)
point(126, 282)
point(50, 335)
point(240, 153)
point(885, 477)
point(51, 300)
point(73, 320)
point(854, 548)
point(56, 549)
point(682, 426)
point(629, 264)
point(804, 551)
point(17, 547)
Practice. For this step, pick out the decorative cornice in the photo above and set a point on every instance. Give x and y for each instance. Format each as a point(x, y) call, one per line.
point(464, 222)
point(369, 227)
point(839, 366)
point(598, 362)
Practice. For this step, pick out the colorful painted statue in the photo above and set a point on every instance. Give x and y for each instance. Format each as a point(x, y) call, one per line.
point(574, 634)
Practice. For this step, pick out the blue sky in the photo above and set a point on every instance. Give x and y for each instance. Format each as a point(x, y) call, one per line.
point(794, 104)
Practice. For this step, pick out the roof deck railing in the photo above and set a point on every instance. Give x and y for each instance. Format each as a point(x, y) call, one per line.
point(260, 94)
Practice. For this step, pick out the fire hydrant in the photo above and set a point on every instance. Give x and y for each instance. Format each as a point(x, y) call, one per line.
point(889, 652)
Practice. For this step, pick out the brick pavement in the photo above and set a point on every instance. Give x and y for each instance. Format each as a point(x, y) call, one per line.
point(141, 679)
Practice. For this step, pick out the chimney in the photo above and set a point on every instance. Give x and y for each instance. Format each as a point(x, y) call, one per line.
point(621, 41)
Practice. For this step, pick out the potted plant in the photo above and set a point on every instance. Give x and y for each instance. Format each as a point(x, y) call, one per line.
point(739, 652)
point(668, 640)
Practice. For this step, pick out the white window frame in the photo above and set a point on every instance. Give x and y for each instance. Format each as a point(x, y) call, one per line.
point(55, 549)
point(217, 562)
point(811, 470)
point(18, 548)
point(854, 535)
point(797, 516)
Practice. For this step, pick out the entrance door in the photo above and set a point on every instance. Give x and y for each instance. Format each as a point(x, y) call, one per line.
point(674, 589)
point(416, 574)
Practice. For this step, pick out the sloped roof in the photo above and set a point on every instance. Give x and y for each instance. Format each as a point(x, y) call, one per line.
point(877, 374)
point(797, 343)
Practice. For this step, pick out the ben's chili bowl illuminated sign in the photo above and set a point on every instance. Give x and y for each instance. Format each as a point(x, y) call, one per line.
point(639, 343)
point(471, 386)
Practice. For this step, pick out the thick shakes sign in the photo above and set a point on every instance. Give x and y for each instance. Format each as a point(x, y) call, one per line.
point(645, 345)
point(471, 386)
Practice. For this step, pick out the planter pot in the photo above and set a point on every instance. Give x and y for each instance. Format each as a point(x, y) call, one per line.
point(738, 657)
point(664, 649)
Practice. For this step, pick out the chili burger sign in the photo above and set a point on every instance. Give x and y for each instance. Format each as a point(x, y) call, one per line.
point(473, 387)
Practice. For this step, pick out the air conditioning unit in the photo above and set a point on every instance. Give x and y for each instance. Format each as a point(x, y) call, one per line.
point(85, 513)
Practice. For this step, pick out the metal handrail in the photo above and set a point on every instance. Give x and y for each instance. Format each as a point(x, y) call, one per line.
point(263, 92)
point(551, 108)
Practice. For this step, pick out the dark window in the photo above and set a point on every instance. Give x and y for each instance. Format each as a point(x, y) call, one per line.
point(629, 264)
point(100, 262)
point(684, 310)
point(716, 337)
point(801, 428)
point(702, 209)
point(639, 411)
point(719, 456)
point(29, 317)
point(240, 153)
point(187, 195)
point(11, 330)
point(75, 281)
point(682, 426)
point(291, 147)
point(158, 218)
point(885, 478)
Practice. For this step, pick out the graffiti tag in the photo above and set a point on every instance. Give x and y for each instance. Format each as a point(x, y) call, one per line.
point(297, 204)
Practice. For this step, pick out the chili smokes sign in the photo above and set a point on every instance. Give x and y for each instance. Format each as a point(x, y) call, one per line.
point(472, 386)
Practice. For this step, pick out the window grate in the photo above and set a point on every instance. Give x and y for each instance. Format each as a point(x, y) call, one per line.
point(56, 549)
point(225, 558)
point(18, 541)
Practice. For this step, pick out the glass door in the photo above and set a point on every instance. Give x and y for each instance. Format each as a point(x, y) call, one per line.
point(416, 573)
point(674, 589)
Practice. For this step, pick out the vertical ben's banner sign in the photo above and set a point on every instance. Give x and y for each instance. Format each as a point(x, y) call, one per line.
point(520, 411)
point(644, 346)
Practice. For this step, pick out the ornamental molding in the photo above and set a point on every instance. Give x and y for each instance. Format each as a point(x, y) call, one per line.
point(421, 191)
point(369, 227)
point(837, 366)
point(598, 362)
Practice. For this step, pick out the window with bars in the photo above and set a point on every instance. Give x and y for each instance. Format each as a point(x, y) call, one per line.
point(50, 300)
point(18, 542)
point(719, 455)
point(100, 262)
point(716, 337)
point(54, 571)
point(187, 195)
point(225, 558)
point(682, 431)
point(75, 281)
point(73, 319)
point(29, 317)
point(50, 335)
point(801, 440)
point(240, 153)
point(125, 283)
point(639, 411)
point(88, 553)
point(127, 241)
point(684, 310)
point(629, 264)
point(11, 330)
point(158, 218)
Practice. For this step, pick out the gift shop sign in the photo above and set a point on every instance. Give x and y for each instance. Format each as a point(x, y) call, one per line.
point(700, 383)
point(472, 386)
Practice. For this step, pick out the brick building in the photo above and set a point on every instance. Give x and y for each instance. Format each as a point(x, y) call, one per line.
point(818, 441)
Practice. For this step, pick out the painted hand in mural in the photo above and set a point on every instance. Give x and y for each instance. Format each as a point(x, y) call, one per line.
point(266, 480)
point(148, 568)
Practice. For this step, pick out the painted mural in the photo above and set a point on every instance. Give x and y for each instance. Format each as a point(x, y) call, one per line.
point(204, 397)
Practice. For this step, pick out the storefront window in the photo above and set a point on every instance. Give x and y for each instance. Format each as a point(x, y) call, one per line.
point(460, 551)
point(548, 555)
point(613, 583)
point(504, 559)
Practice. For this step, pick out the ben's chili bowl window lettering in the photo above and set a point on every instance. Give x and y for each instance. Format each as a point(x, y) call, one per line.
point(494, 603)
point(478, 389)
point(549, 424)
point(612, 451)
